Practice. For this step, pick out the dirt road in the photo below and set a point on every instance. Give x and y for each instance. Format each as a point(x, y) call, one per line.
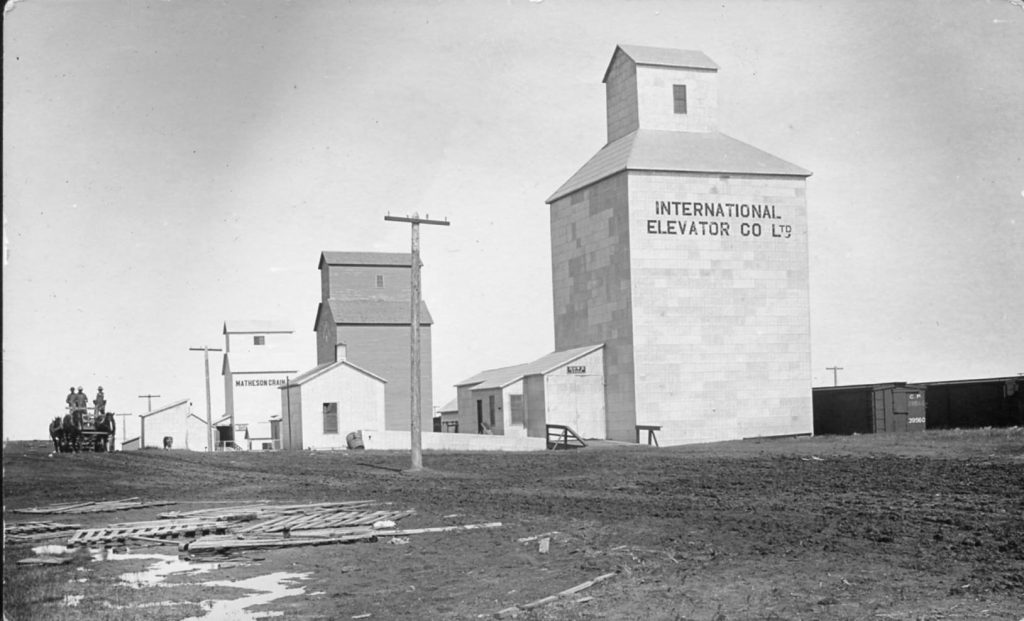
point(923, 526)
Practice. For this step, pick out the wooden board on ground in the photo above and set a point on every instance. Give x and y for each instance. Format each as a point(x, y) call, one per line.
point(164, 530)
point(94, 507)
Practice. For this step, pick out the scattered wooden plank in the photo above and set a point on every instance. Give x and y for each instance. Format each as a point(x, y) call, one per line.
point(214, 545)
point(331, 532)
point(536, 537)
point(28, 528)
point(32, 537)
point(95, 506)
point(45, 560)
point(513, 610)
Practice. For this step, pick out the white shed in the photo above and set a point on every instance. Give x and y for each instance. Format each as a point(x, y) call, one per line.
point(177, 422)
point(563, 388)
point(320, 407)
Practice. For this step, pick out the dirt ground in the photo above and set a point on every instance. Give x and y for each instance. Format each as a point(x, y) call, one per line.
point(907, 526)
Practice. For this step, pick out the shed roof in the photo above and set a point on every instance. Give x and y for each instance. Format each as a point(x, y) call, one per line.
point(675, 151)
point(664, 57)
point(327, 367)
point(451, 406)
point(372, 312)
point(499, 378)
point(165, 408)
point(257, 326)
point(387, 259)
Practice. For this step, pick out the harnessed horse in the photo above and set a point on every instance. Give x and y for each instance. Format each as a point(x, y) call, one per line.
point(57, 434)
point(71, 429)
point(108, 425)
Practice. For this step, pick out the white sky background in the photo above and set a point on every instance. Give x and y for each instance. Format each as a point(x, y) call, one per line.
point(172, 164)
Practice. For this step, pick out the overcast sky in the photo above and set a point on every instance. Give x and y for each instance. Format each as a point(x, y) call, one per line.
point(169, 165)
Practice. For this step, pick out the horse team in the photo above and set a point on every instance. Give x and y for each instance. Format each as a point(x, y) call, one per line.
point(77, 430)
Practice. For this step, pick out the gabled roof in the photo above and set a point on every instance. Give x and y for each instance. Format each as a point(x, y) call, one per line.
point(198, 418)
point(371, 312)
point(499, 378)
point(675, 151)
point(451, 406)
point(664, 57)
point(164, 408)
point(269, 361)
point(327, 367)
point(256, 326)
point(384, 259)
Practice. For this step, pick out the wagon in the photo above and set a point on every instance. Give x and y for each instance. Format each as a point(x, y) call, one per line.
point(95, 433)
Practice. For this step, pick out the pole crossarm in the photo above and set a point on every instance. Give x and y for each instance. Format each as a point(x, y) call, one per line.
point(414, 219)
point(149, 401)
point(835, 374)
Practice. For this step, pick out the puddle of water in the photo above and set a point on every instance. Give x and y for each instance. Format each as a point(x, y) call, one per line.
point(72, 600)
point(270, 587)
point(51, 550)
point(267, 588)
point(165, 565)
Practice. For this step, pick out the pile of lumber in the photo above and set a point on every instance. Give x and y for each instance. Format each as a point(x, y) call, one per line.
point(147, 531)
point(242, 527)
point(37, 531)
point(94, 507)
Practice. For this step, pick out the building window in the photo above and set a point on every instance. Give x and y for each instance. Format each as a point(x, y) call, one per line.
point(380, 281)
point(490, 406)
point(330, 418)
point(679, 98)
point(259, 340)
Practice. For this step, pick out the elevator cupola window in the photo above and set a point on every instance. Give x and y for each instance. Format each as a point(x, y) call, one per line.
point(679, 98)
point(380, 281)
point(259, 340)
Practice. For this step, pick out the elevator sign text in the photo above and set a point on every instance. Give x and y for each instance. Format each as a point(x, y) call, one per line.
point(697, 219)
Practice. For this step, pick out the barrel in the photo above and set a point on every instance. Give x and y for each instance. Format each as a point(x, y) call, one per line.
point(355, 440)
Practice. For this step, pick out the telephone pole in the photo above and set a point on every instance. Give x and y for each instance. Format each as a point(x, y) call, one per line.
point(835, 374)
point(124, 431)
point(149, 401)
point(209, 420)
point(414, 430)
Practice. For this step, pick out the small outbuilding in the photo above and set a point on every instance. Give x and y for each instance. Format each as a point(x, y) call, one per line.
point(320, 407)
point(449, 413)
point(562, 388)
point(173, 426)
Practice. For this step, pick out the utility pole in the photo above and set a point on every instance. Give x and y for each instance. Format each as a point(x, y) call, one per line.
point(124, 432)
point(835, 374)
point(414, 430)
point(149, 401)
point(209, 421)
